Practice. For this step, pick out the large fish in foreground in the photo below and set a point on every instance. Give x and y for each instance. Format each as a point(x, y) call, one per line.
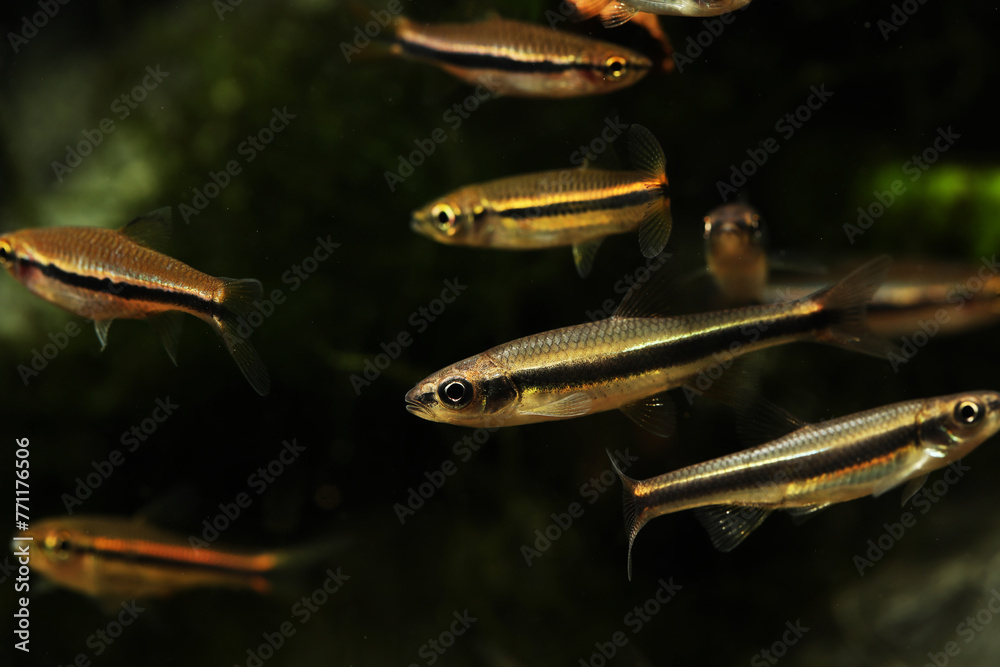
point(106, 274)
point(629, 360)
point(115, 559)
point(616, 12)
point(816, 465)
point(515, 58)
point(577, 207)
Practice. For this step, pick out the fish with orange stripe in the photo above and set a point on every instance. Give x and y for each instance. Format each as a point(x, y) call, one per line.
point(816, 465)
point(571, 207)
point(115, 559)
point(107, 274)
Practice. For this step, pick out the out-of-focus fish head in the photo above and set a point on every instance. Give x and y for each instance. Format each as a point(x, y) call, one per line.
point(59, 553)
point(16, 247)
point(733, 229)
point(474, 392)
point(954, 425)
point(457, 218)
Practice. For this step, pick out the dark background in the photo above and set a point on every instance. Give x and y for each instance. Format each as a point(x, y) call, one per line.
point(323, 175)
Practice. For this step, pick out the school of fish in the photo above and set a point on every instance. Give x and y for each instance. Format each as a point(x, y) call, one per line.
point(628, 361)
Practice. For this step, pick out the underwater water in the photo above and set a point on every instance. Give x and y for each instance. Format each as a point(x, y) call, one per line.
point(453, 545)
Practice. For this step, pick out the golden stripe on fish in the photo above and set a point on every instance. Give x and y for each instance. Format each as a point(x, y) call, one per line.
point(627, 361)
point(105, 274)
point(816, 465)
point(515, 58)
point(577, 207)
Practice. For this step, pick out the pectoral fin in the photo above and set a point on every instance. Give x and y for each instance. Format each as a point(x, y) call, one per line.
point(574, 405)
point(912, 487)
point(101, 327)
point(617, 13)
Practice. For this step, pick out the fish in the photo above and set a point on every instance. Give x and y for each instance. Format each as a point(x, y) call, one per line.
point(613, 13)
point(520, 59)
point(114, 559)
point(577, 207)
point(816, 465)
point(734, 252)
point(629, 360)
point(937, 297)
point(105, 274)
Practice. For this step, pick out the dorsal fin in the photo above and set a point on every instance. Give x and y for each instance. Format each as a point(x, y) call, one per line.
point(151, 230)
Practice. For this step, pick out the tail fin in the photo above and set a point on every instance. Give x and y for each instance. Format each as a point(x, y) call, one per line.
point(630, 508)
point(847, 301)
point(234, 326)
point(647, 157)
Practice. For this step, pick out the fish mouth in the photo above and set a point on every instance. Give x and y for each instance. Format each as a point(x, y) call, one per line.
point(419, 403)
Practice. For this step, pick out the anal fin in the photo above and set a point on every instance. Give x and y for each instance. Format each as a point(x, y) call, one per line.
point(168, 328)
point(101, 327)
point(728, 525)
point(574, 405)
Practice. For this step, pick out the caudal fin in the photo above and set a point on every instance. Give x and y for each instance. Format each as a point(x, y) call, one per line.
point(646, 156)
point(235, 326)
point(846, 303)
point(630, 508)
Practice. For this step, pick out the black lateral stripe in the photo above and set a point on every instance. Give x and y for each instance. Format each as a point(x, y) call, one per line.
point(143, 559)
point(127, 291)
point(674, 352)
point(633, 198)
point(490, 62)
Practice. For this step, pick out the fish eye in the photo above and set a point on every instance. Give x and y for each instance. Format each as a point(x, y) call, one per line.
point(455, 392)
point(615, 66)
point(5, 252)
point(59, 544)
point(968, 412)
point(444, 217)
